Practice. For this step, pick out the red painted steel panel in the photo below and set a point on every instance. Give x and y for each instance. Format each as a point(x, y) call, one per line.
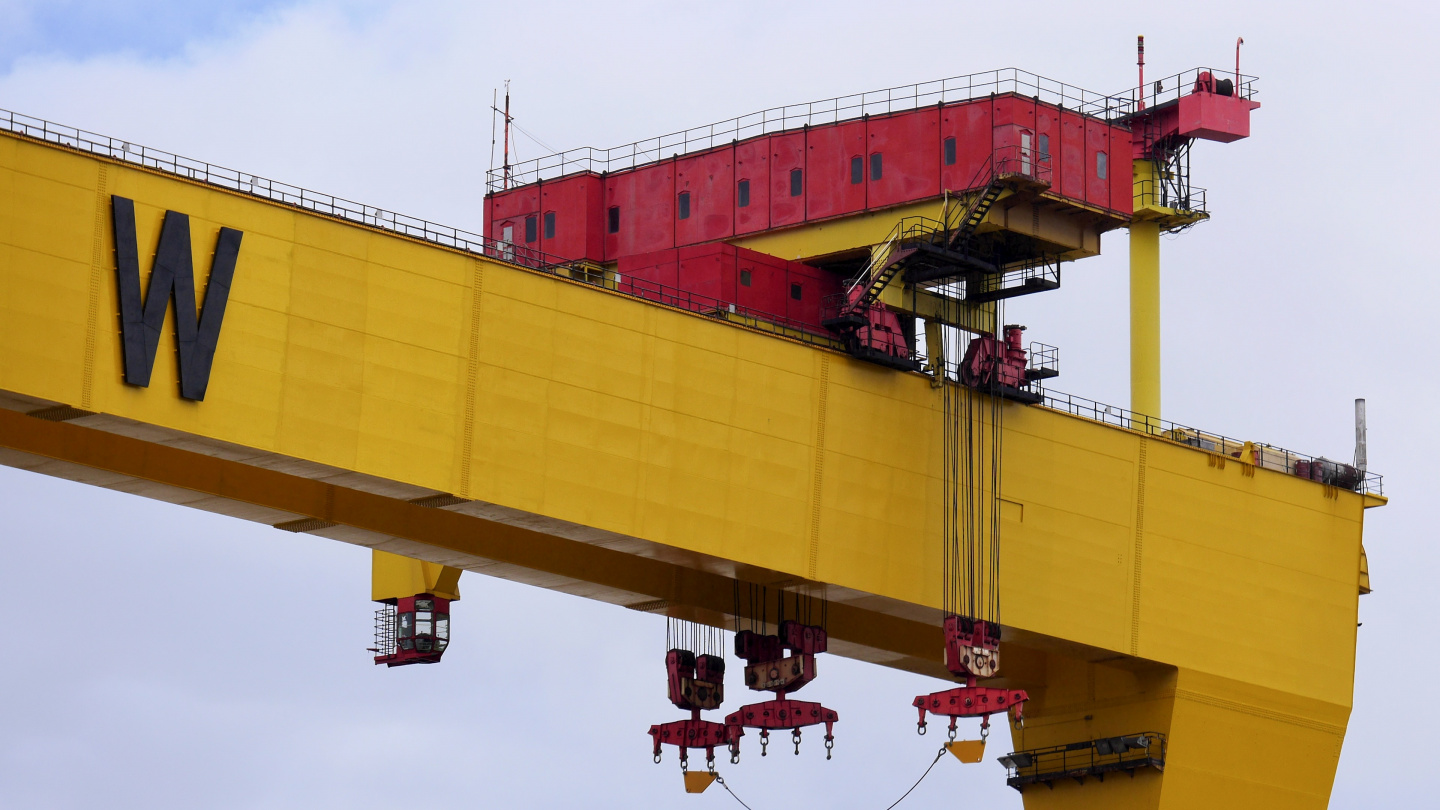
point(511, 206)
point(787, 153)
point(970, 124)
point(575, 201)
point(767, 289)
point(829, 149)
point(815, 286)
point(1097, 142)
point(708, 271)
point(1122, 181)
point(646, 198)
point(1047, 134)
point(909, 144)
point(752, 164)
point(1071, 171)
point(709, 179)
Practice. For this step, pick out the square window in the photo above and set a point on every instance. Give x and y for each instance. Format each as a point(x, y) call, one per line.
point(614, 219)
point(949, 151)
point(857, 170)
point(744, 278)
point(529, 229)
point(682, 206)
point(877, 166)
point(797, 182)
point(549, 224)
point(742, 194)
point(796, 291)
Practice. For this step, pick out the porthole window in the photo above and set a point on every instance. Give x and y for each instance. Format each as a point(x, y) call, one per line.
point(742, 194)
point(1102, 170)
point(682, 206)
point(797, 182)
point(614, 219)
point(949, 151)
point(549, 224)
point(877, 166)
point(857, 170)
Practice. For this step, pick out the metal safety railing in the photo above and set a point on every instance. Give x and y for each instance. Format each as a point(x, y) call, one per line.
point(265, 188)
point(1319, 468)
point(1113, 107)
point(413, 227)
point(1165, 195)
point(1168, 89)
point(384, 631)
point(826, 111)
point(1079, 760)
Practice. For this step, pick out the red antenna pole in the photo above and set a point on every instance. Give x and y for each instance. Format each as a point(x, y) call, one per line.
point(1238, 42)
point(1140, 47)
point(506, 166)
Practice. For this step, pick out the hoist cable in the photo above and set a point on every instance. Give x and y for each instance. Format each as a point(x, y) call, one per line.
point(721, 781)
point(918, 781)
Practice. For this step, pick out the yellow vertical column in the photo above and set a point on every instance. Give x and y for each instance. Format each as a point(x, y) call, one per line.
point(1144, 298)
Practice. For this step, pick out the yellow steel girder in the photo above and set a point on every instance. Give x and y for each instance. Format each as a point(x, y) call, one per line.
point(1147, 585)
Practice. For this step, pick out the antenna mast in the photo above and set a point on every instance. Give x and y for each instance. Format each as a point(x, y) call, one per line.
point(494, 97)
point(506, 167)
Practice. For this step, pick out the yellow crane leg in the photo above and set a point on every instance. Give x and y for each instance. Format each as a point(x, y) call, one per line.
point(393, 576)
point(1145, 293)
point(1145, 318)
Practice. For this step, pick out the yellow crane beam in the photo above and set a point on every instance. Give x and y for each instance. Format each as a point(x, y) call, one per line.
point(470, 413)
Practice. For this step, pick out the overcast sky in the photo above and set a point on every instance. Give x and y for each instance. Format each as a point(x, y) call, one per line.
point(162, 657)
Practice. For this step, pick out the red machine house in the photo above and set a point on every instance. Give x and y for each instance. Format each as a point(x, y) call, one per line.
point(676, 225)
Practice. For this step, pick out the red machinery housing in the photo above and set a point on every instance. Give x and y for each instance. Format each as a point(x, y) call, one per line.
point(412, 630)
point(769, 669)
point(649, 220)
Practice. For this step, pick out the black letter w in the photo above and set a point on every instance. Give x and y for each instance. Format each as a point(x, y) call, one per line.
point(173, 273)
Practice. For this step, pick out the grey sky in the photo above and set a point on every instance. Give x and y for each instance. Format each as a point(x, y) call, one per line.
point(163, 657)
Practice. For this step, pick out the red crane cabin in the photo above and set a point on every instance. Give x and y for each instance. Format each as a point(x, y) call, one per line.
point(667, 221)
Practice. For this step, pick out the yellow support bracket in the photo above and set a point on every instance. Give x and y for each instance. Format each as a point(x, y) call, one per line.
point(393, 576)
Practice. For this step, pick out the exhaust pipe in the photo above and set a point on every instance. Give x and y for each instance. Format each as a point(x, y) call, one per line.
point(1360, 436)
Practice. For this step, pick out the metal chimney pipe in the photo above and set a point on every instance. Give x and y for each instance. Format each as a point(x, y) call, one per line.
point(1360, 435)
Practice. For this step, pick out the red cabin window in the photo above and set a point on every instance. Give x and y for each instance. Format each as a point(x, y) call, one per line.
point(797, 291)
point(614, 222)
point(797, 182)
point(744, 278)
point(742, 194)
point(530, 229)
point(857, 170)
point(1102, 168)
point(549, 224)
point(682, 205)
point(877, 166)
point(949, 151)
